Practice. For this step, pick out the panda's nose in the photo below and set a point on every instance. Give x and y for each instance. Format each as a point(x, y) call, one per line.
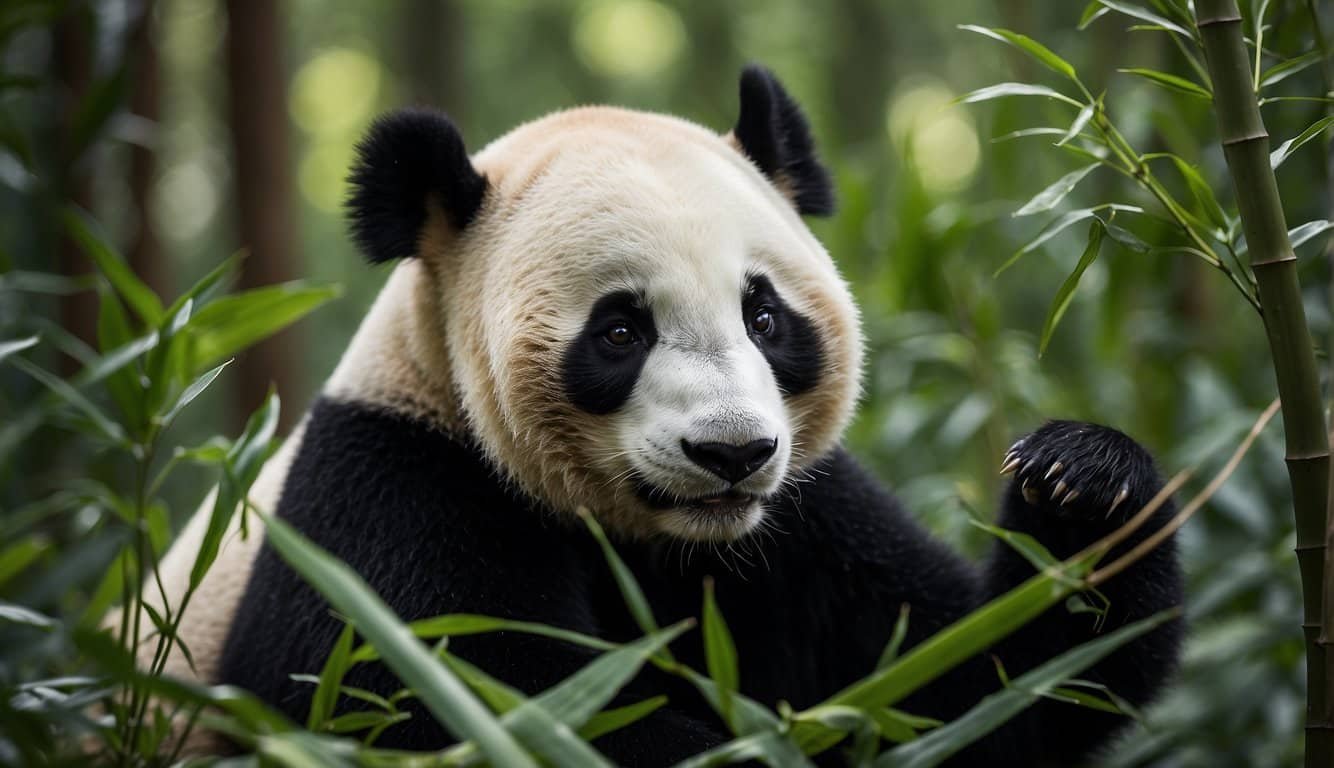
point(732, 463)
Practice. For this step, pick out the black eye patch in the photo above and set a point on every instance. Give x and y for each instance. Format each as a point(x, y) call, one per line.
point(600, 367)
point(791, 344)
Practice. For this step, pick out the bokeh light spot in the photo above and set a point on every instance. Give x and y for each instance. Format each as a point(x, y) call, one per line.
point(335, 90)
point(323, 173)
point(940, 137)
point(629, 38)
point(184, 200)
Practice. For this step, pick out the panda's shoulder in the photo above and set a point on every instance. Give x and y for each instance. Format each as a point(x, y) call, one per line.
point(370, 477)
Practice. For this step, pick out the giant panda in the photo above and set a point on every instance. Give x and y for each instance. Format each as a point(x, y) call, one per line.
point(624, 312)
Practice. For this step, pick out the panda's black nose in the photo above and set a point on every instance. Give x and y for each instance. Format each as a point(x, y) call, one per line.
point(732, 463)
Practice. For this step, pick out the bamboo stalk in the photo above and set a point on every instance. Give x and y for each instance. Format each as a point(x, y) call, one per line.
point(1246, 145)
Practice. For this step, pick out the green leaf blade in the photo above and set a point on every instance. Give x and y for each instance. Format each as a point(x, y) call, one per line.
point(1033, 48)
point(1055, 192)
point(1067, 290)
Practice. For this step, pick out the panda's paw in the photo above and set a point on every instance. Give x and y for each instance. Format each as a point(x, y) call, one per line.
point(1081, 472)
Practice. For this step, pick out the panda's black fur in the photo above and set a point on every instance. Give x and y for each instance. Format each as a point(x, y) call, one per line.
point(426, 520)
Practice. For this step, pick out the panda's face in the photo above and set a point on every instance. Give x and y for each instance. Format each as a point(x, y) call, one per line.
point(644, 327)
point(688, 358)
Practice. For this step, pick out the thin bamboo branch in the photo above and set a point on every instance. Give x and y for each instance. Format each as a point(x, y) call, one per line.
point(1246, 146)
point(1123, 562)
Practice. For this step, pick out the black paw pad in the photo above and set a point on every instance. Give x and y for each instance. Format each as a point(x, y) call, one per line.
point(1082, 471)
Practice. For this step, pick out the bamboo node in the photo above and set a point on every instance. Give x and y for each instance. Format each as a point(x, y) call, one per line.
point(1216, 20)
point(1234, 141)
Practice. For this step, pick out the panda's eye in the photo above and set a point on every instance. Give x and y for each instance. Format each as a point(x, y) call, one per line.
point(619, 335)
point(762, 322)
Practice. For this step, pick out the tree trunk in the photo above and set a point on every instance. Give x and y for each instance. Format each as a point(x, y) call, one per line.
point(257, 90)
point(145, 251)
point(73, 70)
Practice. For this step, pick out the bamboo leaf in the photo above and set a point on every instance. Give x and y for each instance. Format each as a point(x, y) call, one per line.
point(1092, 12)
point(720, 653)
point(1030, 548)
point(1028, 45)
point(460, 624)
point(443, 694)
point(206, 283)
point(1025, 132)
point(896, 638)
point(611, 720)
point(195, 389)
point(1060, 224)
point(937, 746)
point(1081, 120)
point(113, 330)
point(1067, 290)
point(1286, 149)
point(138, 296)
point(1300, 234)
point(62, 389)
point(12, 346)
point(1053, 195)
point(1126, 238)
point(1002, 90)
point(625, 580)
point(324, 699)
point(544, 724)
point(1169, 81)
point(900, 726)
point(769, 747)
point(1144, 14)
point(1283, 70)
point(232, 323)
point(240, 467)
point(962, 640)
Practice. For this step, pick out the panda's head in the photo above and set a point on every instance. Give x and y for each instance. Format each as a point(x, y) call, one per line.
point(634, 316)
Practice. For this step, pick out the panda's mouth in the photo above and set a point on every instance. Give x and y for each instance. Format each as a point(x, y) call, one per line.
point(730, 501)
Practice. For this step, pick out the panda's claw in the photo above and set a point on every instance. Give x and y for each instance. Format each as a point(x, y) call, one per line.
point(1069, 497)
point(1030, 494)
point(1011, 462)
point(1058, 490)
point(1121, 496)
point(1056, 468)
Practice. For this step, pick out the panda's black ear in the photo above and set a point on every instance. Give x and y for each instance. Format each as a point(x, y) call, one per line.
point(773, 133)
point(406, 159)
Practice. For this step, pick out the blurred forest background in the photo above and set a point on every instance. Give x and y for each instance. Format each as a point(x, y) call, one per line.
point(191, 129)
